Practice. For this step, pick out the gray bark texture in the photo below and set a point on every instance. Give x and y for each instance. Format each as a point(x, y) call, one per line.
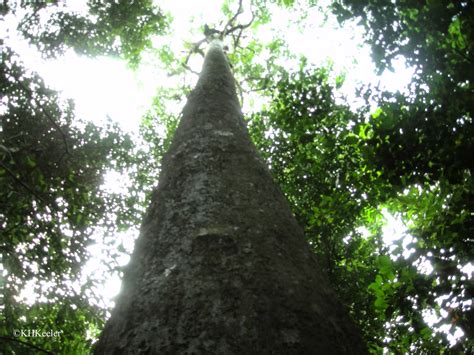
point(221, 266)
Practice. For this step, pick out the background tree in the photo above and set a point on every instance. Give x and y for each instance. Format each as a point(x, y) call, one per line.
point(51, 199)
point(51, 172)
point(421, 143)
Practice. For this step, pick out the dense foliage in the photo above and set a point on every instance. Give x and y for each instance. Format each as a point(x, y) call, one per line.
point(422, 142)
point(121, 28)
point(51, 198)
point(51, 174)
point(410, 156)
point(343, 169)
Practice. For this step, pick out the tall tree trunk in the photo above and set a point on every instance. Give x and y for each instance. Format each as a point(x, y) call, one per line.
point(221, 266)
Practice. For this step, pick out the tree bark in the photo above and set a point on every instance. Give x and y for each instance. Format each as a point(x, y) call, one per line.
point(221, 266)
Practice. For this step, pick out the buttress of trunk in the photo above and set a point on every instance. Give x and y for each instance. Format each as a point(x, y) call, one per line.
point(221, 266)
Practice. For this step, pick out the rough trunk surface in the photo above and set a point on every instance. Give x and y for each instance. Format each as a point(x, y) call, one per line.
point(221, 266)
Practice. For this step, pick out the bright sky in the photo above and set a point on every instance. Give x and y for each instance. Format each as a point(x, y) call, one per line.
point(105, 87)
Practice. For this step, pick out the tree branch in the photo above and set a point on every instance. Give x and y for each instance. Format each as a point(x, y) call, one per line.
point(189, 68)
point(232, 19)
point(241, 27)
point(24, 185)
point(196, 48)
point(47, 114)
point(32, 346)
point(211, 33)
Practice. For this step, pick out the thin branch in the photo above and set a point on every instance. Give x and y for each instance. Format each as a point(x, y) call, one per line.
point(262, 88)
point(236, 39)
point(24, 185)
point(32, 346)
point(241, 27)
point(6, 150)
point(231, 20)
point(7, 232)
point(189, 68)
point(229, 28)
point(241, 92)
point(264, 85)
point(26, 20)
point(14, 136)
point(47, 114)
point(196, 48)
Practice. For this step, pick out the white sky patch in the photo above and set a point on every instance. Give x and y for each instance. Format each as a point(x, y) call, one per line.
point(185, 12)
point(28, 294)
point(468, 269)
point(105, 87)
point(103, 258)
point(363, 231)
point(324, 41)
point(116, 182)
point(394, 229)
point(399, 78)
point(395, 235)
point(76, 6)
point(452, 333)
point(101, 87)
point(431, 317)
point(425, 266)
